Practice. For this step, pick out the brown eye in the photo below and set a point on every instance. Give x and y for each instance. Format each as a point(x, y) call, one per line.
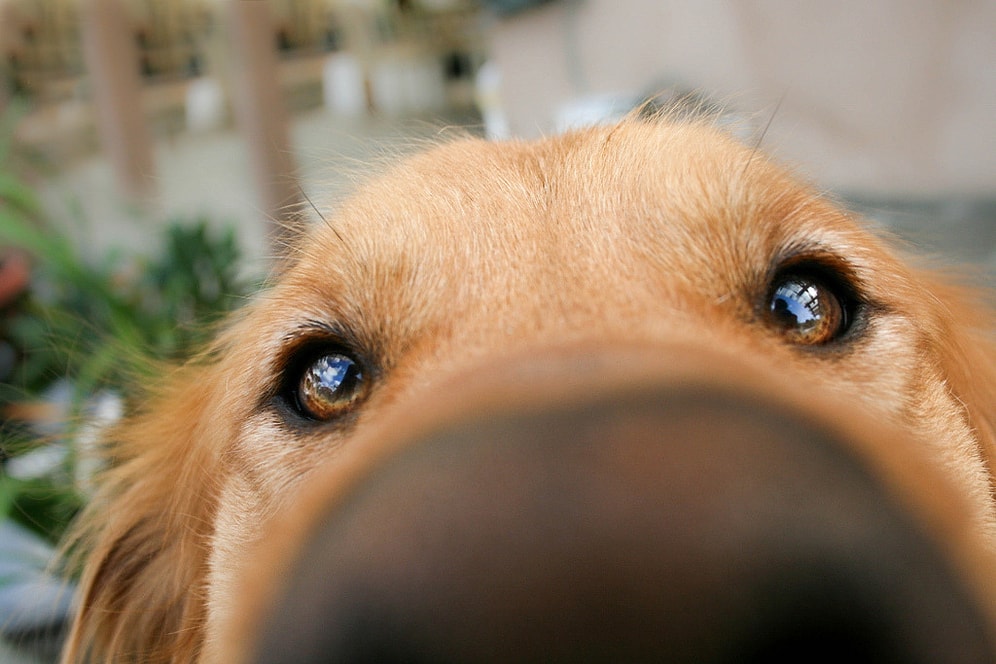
point(806, 310)
point(330, 386)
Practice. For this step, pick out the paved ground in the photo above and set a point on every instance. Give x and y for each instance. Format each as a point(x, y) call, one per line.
point(208, 174)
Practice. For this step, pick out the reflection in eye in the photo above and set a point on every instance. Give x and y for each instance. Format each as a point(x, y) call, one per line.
point(330, 386)
point(806, 311)
point(799, 301)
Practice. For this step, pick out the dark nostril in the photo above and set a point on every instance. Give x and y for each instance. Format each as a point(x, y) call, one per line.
point(690, 525)
point(825, 614)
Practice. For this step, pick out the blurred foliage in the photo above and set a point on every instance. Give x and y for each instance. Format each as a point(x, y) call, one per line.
point(88, 325)
point(81, 319)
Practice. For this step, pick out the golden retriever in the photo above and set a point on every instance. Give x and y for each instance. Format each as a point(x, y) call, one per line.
point(631, 392)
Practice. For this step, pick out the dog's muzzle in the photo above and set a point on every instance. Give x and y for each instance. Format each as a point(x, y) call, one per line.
point(672, 520)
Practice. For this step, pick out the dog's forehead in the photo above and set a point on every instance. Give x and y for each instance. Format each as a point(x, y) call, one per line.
point(593, 220)
point(679, 192)
point(586, 181)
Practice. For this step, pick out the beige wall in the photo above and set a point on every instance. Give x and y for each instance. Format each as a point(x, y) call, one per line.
point(887, 96)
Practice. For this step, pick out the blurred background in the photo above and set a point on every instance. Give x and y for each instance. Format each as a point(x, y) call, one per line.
point(153, 154)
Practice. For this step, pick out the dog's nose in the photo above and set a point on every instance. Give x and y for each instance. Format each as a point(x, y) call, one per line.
point(680, 524)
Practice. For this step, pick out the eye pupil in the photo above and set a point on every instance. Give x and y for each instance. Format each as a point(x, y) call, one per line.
point(329, 386)
point(806, 311)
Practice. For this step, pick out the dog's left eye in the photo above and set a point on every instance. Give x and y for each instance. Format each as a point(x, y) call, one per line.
point(330, 385)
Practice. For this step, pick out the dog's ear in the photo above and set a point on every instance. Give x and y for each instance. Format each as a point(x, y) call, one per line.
point(145, 533)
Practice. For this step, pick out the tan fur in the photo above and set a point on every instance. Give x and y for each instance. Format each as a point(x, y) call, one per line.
point(648, 233)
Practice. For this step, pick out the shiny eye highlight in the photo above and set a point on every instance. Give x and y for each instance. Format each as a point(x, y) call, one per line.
point(807, 309)
point(330, 385)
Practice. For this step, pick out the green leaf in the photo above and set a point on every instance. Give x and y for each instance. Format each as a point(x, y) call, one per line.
point(13, 194)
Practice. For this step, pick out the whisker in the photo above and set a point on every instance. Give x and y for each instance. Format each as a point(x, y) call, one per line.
point(764, 132)
point(322, 217)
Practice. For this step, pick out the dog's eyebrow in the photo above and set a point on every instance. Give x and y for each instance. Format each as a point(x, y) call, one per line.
point(825, 258)
point(320, 330)
point(815, 252)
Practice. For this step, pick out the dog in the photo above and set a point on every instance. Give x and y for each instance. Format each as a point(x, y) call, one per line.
point(632, 392)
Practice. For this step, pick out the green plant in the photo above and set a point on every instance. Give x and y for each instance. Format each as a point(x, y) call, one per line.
point(91, 325)
point(82, 318)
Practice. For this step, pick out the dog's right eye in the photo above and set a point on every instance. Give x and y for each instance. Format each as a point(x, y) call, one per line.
point(807, 308)
point(329, 385)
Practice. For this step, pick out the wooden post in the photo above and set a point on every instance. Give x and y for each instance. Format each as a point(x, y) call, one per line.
point(8, 36)
point(111, 57)
point(262, 117)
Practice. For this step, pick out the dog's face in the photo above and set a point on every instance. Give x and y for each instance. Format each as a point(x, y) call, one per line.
point(510, 278)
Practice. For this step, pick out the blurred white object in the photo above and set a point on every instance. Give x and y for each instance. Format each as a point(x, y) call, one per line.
point(35, 602)
point(488, 84)
point(426, 82)
point(408, 83)
point(593, 110)
point(41, 462)
point(103, 410)
point(343, 88)
point(205, 104)
point(387, 87)
point(99, 412)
